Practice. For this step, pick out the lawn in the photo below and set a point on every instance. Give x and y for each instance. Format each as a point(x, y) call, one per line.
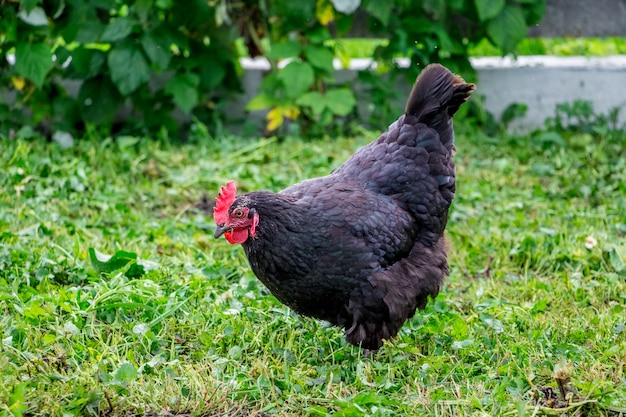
point(364, 48)
point(531, 321)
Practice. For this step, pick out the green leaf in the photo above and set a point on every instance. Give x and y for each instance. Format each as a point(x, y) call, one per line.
point(84, 32)
point(184, 88)
point(343, 24)
point(340, 101)
point(126, 141)
point(157, 49)
point(456, 5)
point(539, 306)
point(213, 68)
point(615, 259)
point(366, 397)
point(435, 9)
point(270, 82)
point(34, 310)
point(87, 62)
point(33, 61)
point(612, 351)
point(317, 411)
point(318, 35)
point(29, 5)
point(106, 263)
point(8, 28)
point(320, 57)
point(18, 403)
point(100, 4)
point(534, 12)
point(117, 29)
point(99, 100)
point(18, 336)
point(6, 236)
point(550, 137)
point(447, 43)
point(297, 77)
point(314, 100)
point(143, 9)
point(164, 4)
point(287, 49)
point(350, 410)
point(128, 67)
point(292, 15)
point(488, 9)
point(508, 28)
point(381, 10)
point(125, 374)
point(135, 271)
point(512, 112)
point(260, 102)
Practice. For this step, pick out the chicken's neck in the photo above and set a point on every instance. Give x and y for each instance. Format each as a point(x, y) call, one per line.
point(280, 247)
point(276, 212)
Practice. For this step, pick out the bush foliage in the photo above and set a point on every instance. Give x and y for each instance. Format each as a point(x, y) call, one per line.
point(68, 65)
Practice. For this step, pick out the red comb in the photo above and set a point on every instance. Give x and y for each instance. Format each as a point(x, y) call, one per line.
point(223, 202)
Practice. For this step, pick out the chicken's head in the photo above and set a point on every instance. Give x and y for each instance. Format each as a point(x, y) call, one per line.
point(234, 219)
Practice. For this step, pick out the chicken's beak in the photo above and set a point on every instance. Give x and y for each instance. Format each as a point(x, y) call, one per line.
point(220, 230)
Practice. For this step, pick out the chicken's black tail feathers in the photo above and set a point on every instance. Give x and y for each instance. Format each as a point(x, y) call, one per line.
point(436, 96)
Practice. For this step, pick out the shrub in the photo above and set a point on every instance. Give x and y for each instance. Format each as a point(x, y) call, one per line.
point(155, 55)
point(159, 59)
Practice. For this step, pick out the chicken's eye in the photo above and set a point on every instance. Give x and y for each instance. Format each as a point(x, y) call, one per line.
point(238, 213)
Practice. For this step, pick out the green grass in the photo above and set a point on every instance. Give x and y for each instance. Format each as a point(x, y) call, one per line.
point(198, 334)
point(558, 47)
point(364, 48)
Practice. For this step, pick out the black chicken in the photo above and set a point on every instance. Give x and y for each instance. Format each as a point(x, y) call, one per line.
point(362, 247)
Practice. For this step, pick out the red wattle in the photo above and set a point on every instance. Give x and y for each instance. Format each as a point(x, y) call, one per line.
point(237, 235)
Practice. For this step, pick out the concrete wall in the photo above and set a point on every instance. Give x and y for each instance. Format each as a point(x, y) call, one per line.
point(578, 18)
point(543, 82)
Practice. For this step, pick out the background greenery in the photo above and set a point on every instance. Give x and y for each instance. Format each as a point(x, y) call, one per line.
point(531, 321)
point(71, 66)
